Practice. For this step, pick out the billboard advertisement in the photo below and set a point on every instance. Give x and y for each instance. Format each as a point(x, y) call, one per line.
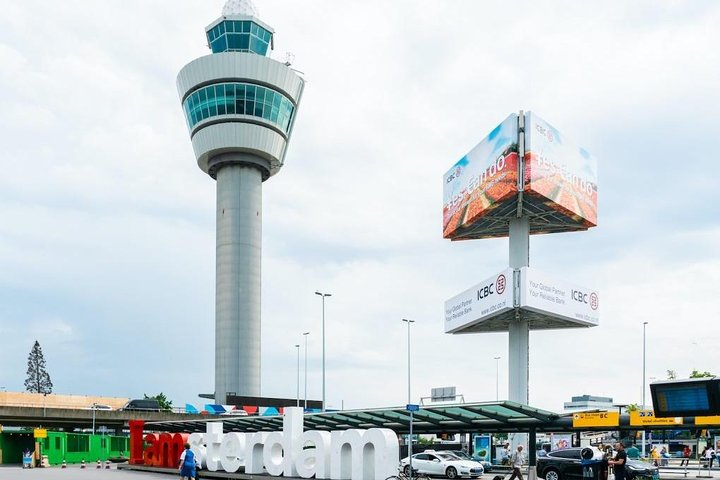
point(558, 298)
point(481, 447)
point(482, 179)
point(561, 172)
point(491, 297)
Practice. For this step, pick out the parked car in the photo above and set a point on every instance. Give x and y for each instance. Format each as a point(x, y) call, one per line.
point(431, 462)
point(566, 464)
point(487, 466)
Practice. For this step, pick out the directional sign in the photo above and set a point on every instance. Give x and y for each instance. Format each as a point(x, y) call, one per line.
point(411, 407)
point(711, 420)
point(640, 418)
point(596, 419)
point(40, 433)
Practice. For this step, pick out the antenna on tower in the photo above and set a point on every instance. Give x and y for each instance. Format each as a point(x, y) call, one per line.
point(289, 58)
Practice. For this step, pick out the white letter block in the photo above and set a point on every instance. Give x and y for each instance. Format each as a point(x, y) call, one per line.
point(313, 461)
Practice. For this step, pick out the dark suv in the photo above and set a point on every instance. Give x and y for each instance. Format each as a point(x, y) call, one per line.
point(567, 464)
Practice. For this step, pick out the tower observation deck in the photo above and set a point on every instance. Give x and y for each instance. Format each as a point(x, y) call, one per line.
point(240, 107)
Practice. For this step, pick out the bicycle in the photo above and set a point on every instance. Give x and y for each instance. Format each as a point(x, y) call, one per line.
point(403, 476)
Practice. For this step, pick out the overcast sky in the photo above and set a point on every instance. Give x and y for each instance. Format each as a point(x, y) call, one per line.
point(107, 226)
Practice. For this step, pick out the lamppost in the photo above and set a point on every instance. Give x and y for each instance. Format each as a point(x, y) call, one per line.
point(297, 384)
point(643, 387)
point(323, 295)
point(94, 409)
point(305, 335)
point(410, 433)
point(408, 350)
point(497, 379)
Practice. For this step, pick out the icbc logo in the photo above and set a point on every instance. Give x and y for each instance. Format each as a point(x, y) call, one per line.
point(500, 282)
point(588, 299)
point(498, 286)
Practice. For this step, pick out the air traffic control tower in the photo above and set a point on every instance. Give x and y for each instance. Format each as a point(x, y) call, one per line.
point(240, 108)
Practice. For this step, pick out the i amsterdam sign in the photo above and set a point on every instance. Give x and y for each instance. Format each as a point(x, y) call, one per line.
point(343, 454)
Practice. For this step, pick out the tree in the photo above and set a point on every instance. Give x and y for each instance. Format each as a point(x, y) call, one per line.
point(698, 374)
point(162, 400)
point(38, 379)
point(671, 374)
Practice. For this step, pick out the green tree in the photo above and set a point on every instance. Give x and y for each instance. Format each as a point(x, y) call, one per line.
point(699, 374)
point(165, 404)
point(633, 407)
point(38, 379)
point(671, 374)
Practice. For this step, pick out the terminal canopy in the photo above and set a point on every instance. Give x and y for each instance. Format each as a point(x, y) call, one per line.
point(502, 416)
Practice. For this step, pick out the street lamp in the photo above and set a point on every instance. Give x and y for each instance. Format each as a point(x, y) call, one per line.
point(643, 387)
point(408, 350)
point(305, 335)
point(94, 409)
point(323, 295)
point(410, 437)
point(497, 379)
point(297, 384)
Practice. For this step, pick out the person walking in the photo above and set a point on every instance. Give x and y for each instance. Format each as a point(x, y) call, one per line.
point(709, 455)
point(618, 463)
point(517, 459)
point(187, 464)
point(686, 456)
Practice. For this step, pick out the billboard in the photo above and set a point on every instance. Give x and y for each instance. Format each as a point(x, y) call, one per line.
point(482, 179)
point(486, 299)
point(559, 171)
point(560, 299)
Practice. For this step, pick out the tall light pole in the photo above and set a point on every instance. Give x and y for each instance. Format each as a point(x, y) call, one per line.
point(323, 295)
point(297, 384)
point(305, 335)
point(643, 387)
point(410, 434)
point(94, 408)
point(497, 379)
point(408, 356)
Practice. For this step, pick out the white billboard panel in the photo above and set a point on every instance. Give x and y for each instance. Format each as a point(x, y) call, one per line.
point(559, 298)
point(485, 300)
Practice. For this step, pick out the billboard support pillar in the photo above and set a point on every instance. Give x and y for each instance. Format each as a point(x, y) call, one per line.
point(519, 330)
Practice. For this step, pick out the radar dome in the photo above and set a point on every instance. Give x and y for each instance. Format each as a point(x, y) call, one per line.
point(240, 7)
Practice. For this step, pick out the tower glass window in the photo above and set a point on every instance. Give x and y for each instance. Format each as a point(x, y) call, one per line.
point(238, 98)
point(239, 36)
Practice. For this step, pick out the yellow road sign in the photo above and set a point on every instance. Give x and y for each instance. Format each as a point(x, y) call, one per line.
point(596, 419)
point(711, 420)
point(40, 433)
point(641, 418)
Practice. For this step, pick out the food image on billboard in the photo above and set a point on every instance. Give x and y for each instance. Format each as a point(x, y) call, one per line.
point(482, 179)
point(559, 171)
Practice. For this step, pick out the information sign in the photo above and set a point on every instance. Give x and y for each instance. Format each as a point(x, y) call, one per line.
point(40, 433)
point(596, 419)
point(411, 407)
point(640, 418)
point(707, 420)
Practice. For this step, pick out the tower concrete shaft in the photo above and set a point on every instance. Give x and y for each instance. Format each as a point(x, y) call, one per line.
point(237, 281)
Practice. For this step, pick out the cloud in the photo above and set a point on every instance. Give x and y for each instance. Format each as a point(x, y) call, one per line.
point(107, 231)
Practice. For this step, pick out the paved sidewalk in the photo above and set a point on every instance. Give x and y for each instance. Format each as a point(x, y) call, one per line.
point(74, 472)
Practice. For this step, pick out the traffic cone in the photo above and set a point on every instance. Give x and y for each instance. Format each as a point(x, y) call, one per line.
point(99, 464)
point(107, 464)
point(64, 464)
point(82, 464)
